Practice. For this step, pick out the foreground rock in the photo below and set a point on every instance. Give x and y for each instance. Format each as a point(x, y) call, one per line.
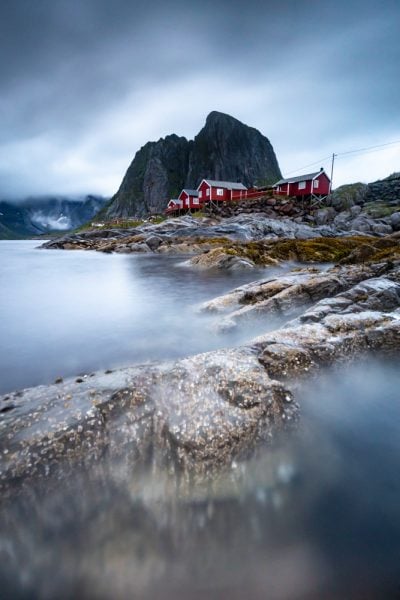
point(285, 296)
point(198, 413)
point(337, 330)
point(201, 412)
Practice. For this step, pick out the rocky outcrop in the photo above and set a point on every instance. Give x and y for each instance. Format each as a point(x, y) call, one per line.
point(238, 242)
point(254, 226)
point(225, 149)
point(282, 297)
point(384, 190)
point(363, 320)
point(198, 413)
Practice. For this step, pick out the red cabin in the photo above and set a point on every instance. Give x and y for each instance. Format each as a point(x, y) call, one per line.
point(312, 184)
point(173, 206)
point(219, 191)
point(189, 199)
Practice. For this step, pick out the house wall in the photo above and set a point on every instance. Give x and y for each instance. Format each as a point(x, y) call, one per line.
point(324, 183)
point(283, 191)
point(203, 187)
point(226, 194)
point(194, 202)
point(224, 197)
point(293, 189)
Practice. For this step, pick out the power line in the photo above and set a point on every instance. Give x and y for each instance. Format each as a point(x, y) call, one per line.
point(368, 148)
point(356, 152)
point(317, 162)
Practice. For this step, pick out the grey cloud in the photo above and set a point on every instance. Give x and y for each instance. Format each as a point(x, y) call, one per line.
point(67, 68)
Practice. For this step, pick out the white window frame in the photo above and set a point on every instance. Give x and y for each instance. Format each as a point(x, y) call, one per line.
point(207, 191)
point(302, 185)
point(316, 184)
point(220, 191)
point(200, 194)
point(195, 201)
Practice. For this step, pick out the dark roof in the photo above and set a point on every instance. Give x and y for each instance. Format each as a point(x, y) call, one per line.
point(307, 177)
point(190, 192)
point(229, 185)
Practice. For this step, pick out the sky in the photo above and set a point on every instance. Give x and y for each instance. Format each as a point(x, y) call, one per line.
point(85, 83)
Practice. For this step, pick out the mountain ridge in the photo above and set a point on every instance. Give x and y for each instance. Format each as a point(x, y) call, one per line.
point(35, 216)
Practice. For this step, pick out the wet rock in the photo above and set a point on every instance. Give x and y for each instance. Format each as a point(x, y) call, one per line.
point(197, 413)
point(204, 411)
point(300, 351)
point(219, 259)
point(285, 296)
point(358, 321)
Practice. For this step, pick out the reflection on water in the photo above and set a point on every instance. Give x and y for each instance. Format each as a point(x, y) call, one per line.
point(64, 313)
point(316, 517)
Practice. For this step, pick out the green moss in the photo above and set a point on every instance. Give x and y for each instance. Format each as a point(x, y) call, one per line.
point(356, 249)
point(379, 210)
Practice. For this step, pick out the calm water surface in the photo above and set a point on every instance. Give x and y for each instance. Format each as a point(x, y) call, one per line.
point(317, 517)
point(67, 312)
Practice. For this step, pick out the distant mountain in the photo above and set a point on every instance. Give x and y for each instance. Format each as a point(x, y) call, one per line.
point(41, 215)
point(225, 149)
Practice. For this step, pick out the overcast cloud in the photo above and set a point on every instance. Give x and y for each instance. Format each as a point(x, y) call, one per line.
point(85, 83)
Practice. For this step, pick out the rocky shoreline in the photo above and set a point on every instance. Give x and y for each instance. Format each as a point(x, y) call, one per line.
point(203, 412)
point(341, 303)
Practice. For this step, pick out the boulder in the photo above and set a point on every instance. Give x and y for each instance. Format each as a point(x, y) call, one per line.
point(153, 242)
point(395, 221)
point(362, 224)
point(382, 228)
point(219, 259)
point(323, 216)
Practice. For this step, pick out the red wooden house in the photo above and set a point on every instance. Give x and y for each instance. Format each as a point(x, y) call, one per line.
point(173, 206)
point(189, 199)
point(312, 184)
point(219, 191)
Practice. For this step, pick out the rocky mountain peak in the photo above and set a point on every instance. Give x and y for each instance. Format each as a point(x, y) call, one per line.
point(224, 149)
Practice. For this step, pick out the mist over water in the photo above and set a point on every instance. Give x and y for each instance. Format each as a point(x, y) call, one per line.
point(67, 313)
point(316, 516)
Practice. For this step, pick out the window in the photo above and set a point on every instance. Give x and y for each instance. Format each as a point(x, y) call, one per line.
point(302, 185)
point(201, 194)
point(316, 184)
point(195, 200)
point(208, 192)
point(220, 192)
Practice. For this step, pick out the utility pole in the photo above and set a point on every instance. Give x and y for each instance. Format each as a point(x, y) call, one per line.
point(333, 162)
